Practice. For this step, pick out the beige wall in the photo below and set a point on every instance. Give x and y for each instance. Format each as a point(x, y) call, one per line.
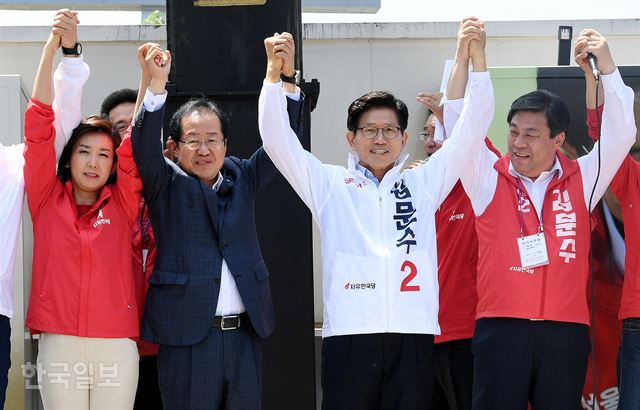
point(348, 60)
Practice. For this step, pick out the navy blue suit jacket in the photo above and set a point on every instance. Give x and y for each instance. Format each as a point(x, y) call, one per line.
point(195, 228)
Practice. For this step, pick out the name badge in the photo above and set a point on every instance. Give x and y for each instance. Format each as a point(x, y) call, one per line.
point(533, 251)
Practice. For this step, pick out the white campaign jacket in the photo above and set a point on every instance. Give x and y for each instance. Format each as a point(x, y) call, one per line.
point(378, 243)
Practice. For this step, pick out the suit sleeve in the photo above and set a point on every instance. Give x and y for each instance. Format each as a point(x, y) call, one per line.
point(146, 144)
point(39, 155)
point(259, 166)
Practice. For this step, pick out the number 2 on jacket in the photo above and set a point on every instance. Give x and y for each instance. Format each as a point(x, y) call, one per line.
point(413, 271)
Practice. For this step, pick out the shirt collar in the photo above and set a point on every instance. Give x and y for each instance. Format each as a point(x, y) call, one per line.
point(218, 182)
point(545, 175)
point(354, 165)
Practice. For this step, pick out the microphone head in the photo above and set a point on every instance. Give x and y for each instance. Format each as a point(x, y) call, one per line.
point(593, 61)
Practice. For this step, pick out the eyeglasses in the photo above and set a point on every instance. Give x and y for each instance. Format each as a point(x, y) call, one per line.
point(387, 132)
point(425, 136)
point(210, 143)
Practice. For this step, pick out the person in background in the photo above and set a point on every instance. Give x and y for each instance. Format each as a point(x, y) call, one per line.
point(622, 205)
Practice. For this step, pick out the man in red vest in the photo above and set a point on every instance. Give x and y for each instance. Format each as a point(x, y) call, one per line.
point(532, 211)
point(625, 186)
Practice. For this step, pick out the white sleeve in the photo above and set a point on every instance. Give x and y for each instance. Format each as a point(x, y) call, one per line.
point(153, 102)
point(479, 178)
point(306, 174)
point(11, 161)
point(617, 136)
point(295, 96)
point(68, 80)
point(448, 164)
point(451, 113)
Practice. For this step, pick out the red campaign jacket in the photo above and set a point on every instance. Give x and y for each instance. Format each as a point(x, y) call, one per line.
point(457, 264)
point(82, 280)
point(608, 291)
point(626, 187)
point(143, 238)
point(552, 292)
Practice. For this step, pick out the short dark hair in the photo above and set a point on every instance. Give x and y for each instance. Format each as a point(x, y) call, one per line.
point(376, 99)
point(92, 124)
point(125, 95)
point(554, 108)
point(196, 105)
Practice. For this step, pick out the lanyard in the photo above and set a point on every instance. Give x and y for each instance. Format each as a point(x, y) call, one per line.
point(143, 226)
point(520, 202)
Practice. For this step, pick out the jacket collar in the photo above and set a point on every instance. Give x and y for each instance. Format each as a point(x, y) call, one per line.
point(105, 193)
point(397, 167)
point(566, 168)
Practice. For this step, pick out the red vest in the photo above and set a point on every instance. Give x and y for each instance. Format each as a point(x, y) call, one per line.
point(626, 187)
point(556, 291)
point(455, 224)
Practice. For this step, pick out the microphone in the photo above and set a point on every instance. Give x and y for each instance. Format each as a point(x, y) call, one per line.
point(593, 63)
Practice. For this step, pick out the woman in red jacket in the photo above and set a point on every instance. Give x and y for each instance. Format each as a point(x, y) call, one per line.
point(82, 300)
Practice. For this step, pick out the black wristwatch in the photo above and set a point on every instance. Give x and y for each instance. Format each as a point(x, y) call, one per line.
point(73, 51)
point(294, 79)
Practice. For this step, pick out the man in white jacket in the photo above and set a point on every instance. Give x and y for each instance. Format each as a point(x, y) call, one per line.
point(380, 285)
point(69, 79)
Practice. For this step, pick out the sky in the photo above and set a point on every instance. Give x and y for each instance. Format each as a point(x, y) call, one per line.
point(398, 11)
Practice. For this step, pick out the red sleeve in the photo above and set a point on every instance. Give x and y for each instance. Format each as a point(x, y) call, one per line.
point(593, 117)
point(128, 187)
point(39, 155)
point(621, 183)
point(492, 147)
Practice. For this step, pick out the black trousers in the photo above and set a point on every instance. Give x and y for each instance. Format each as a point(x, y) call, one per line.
point(5, 356)
point(453, 375)
point(381, 371)
point(519, 360)
point(148, 392)
point(221, 372)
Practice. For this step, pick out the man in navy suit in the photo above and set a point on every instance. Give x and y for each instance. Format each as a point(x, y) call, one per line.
point(209, 299)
